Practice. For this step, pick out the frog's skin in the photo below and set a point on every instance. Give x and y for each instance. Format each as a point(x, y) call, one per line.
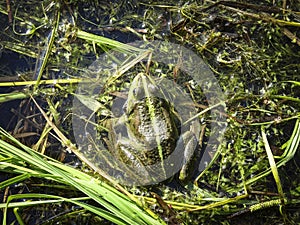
point(149, 130)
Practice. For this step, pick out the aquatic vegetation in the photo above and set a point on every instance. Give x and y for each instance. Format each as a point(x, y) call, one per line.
point(48, 48)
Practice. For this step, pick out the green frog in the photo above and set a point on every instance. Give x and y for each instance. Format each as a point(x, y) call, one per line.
point(148, 137)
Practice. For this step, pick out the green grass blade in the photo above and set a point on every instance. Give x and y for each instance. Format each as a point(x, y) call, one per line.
point(113, 201)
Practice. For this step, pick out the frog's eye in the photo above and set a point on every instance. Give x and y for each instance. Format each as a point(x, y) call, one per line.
point(137, 92)
point(153, 88)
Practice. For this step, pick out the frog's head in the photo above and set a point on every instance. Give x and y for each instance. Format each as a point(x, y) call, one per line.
point(141, 87)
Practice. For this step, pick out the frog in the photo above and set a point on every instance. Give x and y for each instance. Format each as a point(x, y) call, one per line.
point(149, 131)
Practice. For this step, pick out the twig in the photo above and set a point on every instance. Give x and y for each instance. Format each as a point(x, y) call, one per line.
point(291, 36)
point(262, 15)
point(260, 8)
point(9, 12)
